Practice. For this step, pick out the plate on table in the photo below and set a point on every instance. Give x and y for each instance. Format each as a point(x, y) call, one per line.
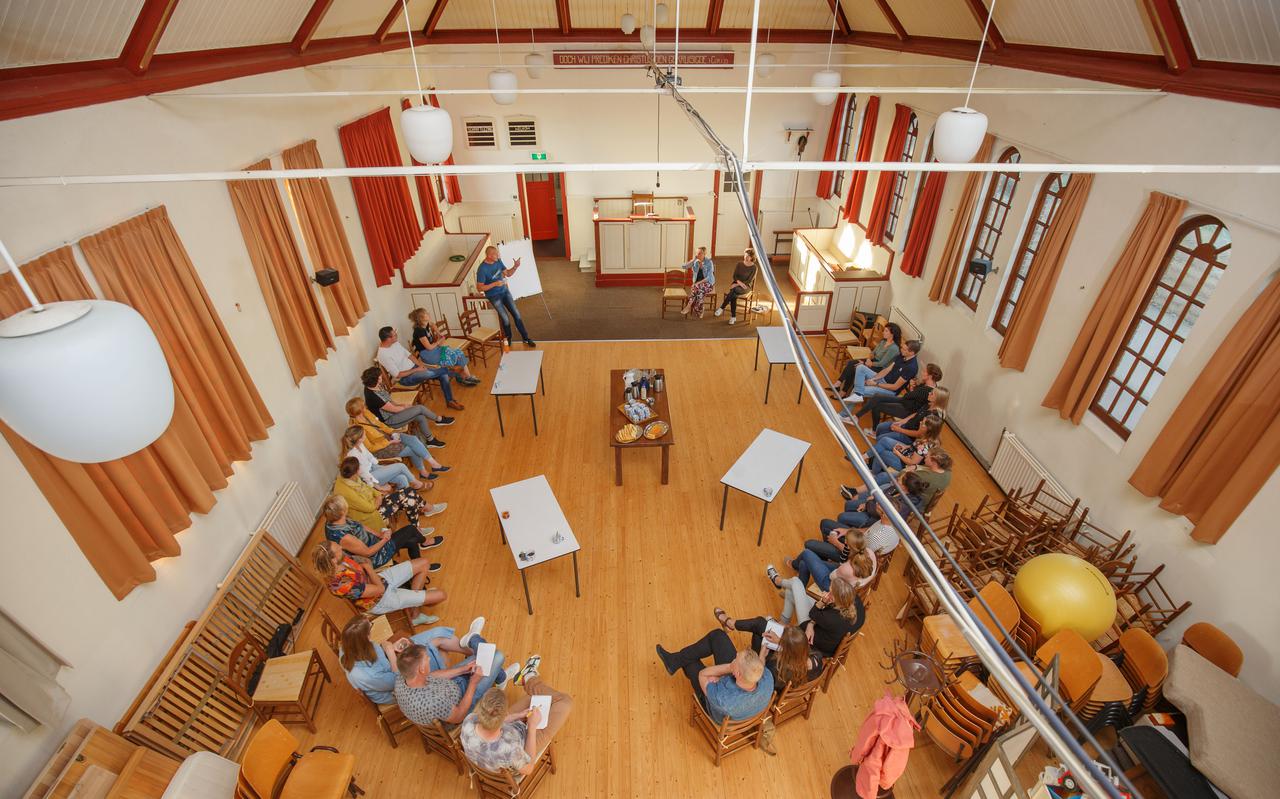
point(628, 434)
point(656, 430)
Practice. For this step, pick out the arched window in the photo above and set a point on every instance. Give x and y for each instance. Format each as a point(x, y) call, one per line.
point(847, 134)
point(994, 211)
point(900, 179)
point(1194, 264)
point(1045, 207)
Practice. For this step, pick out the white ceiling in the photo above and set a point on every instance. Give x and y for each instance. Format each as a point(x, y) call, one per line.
point(1117, 25)
point(36, 32)
point(1244, 31)
point(208, 24)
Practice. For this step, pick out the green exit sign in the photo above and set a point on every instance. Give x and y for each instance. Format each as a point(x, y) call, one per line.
point(538, 156)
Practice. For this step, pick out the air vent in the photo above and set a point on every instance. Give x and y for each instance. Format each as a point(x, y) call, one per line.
point(522, 133)
point(481, 135)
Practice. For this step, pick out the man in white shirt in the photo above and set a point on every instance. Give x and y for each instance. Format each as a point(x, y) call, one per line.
point(408, 370)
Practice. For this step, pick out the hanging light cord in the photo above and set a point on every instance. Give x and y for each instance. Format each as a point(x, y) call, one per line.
point(412, 53)
point(496, 37)
point(22, 281)
point(832, 41)
point(981, 43)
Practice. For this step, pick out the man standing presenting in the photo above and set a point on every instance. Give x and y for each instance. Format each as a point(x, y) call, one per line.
point(491, 278)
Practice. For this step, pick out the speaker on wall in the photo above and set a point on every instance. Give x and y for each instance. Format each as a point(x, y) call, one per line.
point(980, 267)
point(327, 277)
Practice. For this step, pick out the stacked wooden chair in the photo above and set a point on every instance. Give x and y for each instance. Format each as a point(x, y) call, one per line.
point(941, 636)
point(963, 717)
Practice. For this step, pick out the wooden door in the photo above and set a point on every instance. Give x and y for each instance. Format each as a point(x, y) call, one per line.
point(540, 194)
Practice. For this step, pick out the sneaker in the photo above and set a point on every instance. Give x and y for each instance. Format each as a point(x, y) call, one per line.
point(436, 443)
point(772, 574)
point(530, 669)
point(433, 542)
point(439, 507)
point(719, 311)
point(847, 419)
point(477, 625)
point(853, 399)
point(442, 469)
point(733, 320)
point(529, 343)
point(445, 421)
point(868, 432)
point(432, 476)
point(423, 619)
point(435, 567)
point(470, 381)
point(508, 674)
point(847, 492)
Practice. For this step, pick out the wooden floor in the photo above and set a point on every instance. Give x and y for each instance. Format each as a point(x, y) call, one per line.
point(653, 564)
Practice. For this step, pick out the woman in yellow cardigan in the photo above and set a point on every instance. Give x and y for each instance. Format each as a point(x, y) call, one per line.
point(384, 442)
point(373, 507)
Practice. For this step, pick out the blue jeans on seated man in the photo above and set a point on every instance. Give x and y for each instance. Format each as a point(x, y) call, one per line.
point(485, 683)
point(440, 373)
point(505, 305)
point(811, 565)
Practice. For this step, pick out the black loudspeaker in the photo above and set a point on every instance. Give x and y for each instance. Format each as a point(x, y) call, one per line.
point(327, 277)
point(980, 267)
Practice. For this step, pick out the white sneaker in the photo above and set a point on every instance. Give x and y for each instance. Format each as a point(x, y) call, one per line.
point(510, 672)
point(477, 624)
point(719, 311)
point(853, 398)
point(849, 420)
point(868, 432)
point(733, 320)
point(437, 508)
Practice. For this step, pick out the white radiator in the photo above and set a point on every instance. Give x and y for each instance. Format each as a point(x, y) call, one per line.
point(290, 518)
point(1014, 467)
point(500, 227)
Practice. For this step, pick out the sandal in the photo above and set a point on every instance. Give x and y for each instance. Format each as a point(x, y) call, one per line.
point(723, 618)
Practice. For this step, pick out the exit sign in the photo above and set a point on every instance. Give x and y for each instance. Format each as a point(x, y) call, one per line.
point(538, 156)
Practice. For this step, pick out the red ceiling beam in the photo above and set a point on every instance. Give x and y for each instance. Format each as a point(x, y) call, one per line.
point(562, 15)
point(310, 23)
point(892, 18)
point(437, 11)
point(148, 28)
point(994, 40)
point(1175, 42)
point(842, 22)
point(714, 12)
point(616, 36)
point(380, 35)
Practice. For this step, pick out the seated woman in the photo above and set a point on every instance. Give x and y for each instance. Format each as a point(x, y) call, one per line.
point(433, 352)
point(824, 622)
point(882, 355)
point(377, 592)
point(357, 539)
point(703, 272)
point(371, 667)
point(377, 398)
point(894, 454)
point(861, 512)
point(499, 735)
point(376, 473)
point(788, 657)
point(857, 567)
point(384, 442)
point(372, 507)
point(904, 430)
point(915, 398)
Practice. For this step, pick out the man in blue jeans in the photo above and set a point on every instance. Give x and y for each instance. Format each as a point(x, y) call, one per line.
point(408, 370)
point(491, 278)
point(888, 382)
point(426, 694)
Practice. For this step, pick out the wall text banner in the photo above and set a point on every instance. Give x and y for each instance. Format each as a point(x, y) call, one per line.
point(619, 59)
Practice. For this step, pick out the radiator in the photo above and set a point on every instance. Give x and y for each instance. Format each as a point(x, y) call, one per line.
point(1014, 467)
point(500, 227)
point(289, 519)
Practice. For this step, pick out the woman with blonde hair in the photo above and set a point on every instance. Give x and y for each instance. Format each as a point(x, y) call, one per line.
point(787, 656)
point(357, 538)
point(825, 622)
point(377, 592)
point(371, 667)
point(383, 442)
point(432, 350)
point(500, 735)
point(895, 454)
point(703, 273)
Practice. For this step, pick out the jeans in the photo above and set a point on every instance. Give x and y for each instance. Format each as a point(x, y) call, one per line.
point(877, 391)
point(421, 414)
point(395, 473)
point(823, 549)
point(861, 374)
point(415, 451)
point(715, 645)
point(439, 373)
point(811, 565)
point(505, 305)
point(850, 518)
point(891, 459)
point(731, 299)
point(901, 438)
point(485, 683)
point(795, 600)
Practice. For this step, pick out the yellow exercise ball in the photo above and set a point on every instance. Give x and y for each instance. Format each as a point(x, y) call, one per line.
point(1061, 591)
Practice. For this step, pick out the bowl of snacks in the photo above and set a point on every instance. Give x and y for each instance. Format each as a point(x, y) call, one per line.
point(628, 434)
point(656, 430)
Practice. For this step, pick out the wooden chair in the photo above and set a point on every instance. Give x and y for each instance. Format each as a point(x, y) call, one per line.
point(507, 784)
point(941, 636)
point(287, 686)
point(1145, 666)
point(796, 699)
point(405, 395)
point(674, 290)
point(836, 661)
point(330, 632)
point(1214, 646)
point(950, 728)
point(480, 340)
point(444, 742)
point(273, 768)
point(1079, 669)
point(390, 720)
point(728, 736)
point(445, 336)
point(840, 339)
point(1110, 699)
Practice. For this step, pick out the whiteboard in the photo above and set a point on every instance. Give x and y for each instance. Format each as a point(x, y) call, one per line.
point(525, 282)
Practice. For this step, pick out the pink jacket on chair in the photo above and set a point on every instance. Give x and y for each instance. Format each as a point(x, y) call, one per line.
point(884, 743)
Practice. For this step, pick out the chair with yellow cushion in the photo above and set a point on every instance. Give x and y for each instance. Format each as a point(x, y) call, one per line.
point(273, 768)
point(674, 290)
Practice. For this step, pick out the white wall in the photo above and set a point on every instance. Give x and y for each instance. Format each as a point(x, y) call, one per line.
point(1230, 583)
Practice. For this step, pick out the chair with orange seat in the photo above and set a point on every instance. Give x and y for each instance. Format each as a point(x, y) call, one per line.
point(1214, 646)
point(1079, 669)
point(941, 636)
point(1145, 666)
point(273, 768)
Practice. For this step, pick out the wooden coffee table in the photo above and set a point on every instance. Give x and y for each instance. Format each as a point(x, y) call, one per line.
point(617, 420)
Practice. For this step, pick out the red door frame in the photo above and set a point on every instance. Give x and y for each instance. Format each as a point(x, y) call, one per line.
point(715, 212)
point(564, 209)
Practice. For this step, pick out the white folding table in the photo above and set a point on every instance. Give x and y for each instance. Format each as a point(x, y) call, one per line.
point(519, 374)
point(763, 469)
point(534, 527)
point(776, 350)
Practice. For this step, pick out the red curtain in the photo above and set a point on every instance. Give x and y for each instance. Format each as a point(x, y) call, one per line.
point(884, 186)
point(858, 180)
point(826, 180)
point(452, 189)
point(391, 230)
point(922, 223)
point(431, 218)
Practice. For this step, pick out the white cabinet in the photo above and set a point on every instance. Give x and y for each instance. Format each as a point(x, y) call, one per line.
point(675, 244)
point(643, 246)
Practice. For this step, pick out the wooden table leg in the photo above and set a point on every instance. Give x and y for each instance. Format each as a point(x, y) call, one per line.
point(527, 601)
point(534, 406)
point(799, 472)
point(617, 466)
point(724, 503)
point(768, 383)
point(666, 464)
point(576, 591)
point(498, 402)
point(763, 513)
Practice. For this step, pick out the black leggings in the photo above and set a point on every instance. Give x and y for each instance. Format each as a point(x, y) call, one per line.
point(408, 538)
point(879, 407)
point(756, 627)
point(731, 299)
point(715, 645)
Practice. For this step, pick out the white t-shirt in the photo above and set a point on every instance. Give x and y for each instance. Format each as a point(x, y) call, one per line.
point(361, 453)
point(395, 359)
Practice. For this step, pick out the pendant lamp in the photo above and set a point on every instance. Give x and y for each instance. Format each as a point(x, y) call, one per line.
point(502, 86)
point(628, 23)
point(647, 37)
point(50, 352)
point(534, 63)
point(660, 13)
point(958, 133)
point(825, 79)
point(428, 130)
point(765, 62)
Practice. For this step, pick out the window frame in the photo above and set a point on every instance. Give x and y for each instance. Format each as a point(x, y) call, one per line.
point(915, 195)
point(847, 135)
point(986, 232)
point(900, 178)
point(1189, 228)
point(1051, 190)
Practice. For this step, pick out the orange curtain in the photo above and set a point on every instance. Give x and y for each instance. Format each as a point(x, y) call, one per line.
point(1042, 275)
point(923, 222)
point(1222, 444)
point(284, 281)
point(452, 189)
point(1101, 337)
point(826, 180)
point(326, 238)
point(858, 178)
point(884, 185)
point(431, 218)
point(953, 250)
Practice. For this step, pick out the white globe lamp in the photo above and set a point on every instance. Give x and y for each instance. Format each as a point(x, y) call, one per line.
point(647, 37)
point(534, 64)
point(825, 79)
point(660, 13)
point(628, 23)
point(428, 133)
point(765, 62)
point(502, 86)
point(958, 135)
point(47, 358)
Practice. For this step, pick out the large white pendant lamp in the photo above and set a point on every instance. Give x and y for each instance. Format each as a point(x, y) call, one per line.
point(958, 132)
point(825, 79)
point(647, 37)
point(85, 381)
point(628, 23)
point(765, 62)
point(502, 86)
point(534, 63)
point(660, 13)
point(428, 131)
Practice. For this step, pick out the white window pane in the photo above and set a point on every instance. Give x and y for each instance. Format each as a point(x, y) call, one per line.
point(1108, 394)
point(1140, 332)
point(1140, 373)
point(1192, 278)
point(1134, 415)
point(1166, 360)
point(1157, 301)
point(1152, 350)
point(1169, 319)
point(1122, 407)
point(1150, 390)
point(1123, 365)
